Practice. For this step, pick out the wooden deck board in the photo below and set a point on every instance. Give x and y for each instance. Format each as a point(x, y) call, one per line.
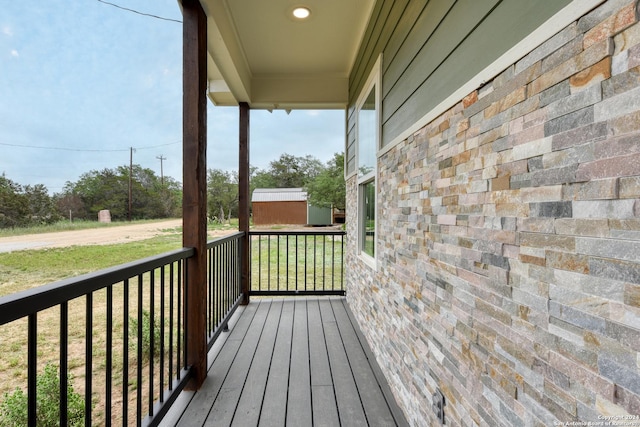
point(248, 410)
point(325, 411)
point(200, 405)
point(349, 406)
point(373, 400)
point(299, 399)
point(224, 406)
point(274, 404)
point(296, 362)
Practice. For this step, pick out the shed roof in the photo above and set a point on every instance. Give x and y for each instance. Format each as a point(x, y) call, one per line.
point(279, 195)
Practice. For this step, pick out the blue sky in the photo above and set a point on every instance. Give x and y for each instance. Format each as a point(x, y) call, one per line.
point(82, 81)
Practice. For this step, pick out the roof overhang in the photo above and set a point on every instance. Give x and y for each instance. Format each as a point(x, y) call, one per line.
point(259, 54)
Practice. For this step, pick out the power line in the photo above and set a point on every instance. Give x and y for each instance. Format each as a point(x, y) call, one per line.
point(93, 150)
point(140, 13)
point(58, 148)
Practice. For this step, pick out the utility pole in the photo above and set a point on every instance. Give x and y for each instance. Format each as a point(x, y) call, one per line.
point(161, 158)
point(130, 179)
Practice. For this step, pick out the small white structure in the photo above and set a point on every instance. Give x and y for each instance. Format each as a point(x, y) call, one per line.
point(104, 216)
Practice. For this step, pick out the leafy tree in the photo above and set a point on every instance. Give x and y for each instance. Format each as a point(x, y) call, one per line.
point(69, 204)
point(222, 193)
point(42, 208)
point(328, 187)
point(14, 207)
point(290, 171)
point(262, 179)
point(103, 189)
point(109, 189)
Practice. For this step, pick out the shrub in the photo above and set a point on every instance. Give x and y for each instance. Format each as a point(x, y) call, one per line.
point(13, 410)
point(146, 333)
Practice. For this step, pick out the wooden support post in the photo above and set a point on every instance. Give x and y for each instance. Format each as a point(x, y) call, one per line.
point(194, 202)
point(243, 201)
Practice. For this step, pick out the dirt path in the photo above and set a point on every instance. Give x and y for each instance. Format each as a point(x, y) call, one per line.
point(93, 236)
point(112, 235)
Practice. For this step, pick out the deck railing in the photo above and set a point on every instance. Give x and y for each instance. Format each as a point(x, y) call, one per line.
point(297, 262)
point(224, 291)
point(122, 330)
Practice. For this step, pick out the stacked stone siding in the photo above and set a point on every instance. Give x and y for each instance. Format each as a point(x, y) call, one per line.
point(508, 241)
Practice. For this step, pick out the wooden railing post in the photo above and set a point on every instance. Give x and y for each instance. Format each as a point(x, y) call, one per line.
point(243, 202)
point(194, 203)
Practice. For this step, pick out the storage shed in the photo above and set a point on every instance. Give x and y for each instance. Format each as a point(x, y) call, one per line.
point(279, 206)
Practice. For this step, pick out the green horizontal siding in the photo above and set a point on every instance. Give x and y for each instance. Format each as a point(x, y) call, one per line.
point(431, 48)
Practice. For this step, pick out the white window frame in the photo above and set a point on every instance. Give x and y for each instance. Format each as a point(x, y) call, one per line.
point(374, 82)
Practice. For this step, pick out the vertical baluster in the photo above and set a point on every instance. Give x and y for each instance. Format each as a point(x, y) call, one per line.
point(232, 271)
point(218, 287)
point(333, 262)
point(224, 283)
point(228, 278)
point(171, 303)
point(210, 299)
point(152, 328)
point(179, 349)
point(32, 369)
point(224, 274)
point(64, 357)
point(236, 263)
point(125, 354)
point(163, 271)
point(278, 262)
point(88, 368)
point(306, 253)
point(286, 257)
point(315, 264)
point(342, 263)
point(108, 387)
point(259, 262)
point(139, 356)
point(217, 292)
point(324, 257)
point(219, 280)
point(297, 249)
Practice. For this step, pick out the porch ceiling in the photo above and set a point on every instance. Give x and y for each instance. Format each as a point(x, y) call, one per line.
point(260, 54)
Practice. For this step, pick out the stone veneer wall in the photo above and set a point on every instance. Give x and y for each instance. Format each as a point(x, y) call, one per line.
point(509, 241)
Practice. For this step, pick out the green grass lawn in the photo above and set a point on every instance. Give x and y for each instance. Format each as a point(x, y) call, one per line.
point(22, 270)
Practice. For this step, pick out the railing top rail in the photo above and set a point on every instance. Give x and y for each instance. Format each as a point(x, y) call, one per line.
point(21, 304)
point(297, 232)
point(223, 239)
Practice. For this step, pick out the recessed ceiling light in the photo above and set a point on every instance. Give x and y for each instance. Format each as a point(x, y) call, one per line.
point(301, 12)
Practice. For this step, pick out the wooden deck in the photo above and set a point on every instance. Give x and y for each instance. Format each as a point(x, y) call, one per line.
point(296, 362)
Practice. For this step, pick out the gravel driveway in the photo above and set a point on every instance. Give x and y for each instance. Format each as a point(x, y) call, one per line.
point(92, 236)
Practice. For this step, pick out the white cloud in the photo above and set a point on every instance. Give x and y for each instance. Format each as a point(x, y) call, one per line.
point(7, 31)
point(14, 53)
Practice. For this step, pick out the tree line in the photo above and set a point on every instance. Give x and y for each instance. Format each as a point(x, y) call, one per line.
point(151, 197)
point(324, 183)
point(155, 197)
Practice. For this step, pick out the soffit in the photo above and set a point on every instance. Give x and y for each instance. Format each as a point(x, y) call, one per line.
point(259, 54)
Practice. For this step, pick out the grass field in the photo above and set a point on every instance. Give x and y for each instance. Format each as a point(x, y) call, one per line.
point(28, 269)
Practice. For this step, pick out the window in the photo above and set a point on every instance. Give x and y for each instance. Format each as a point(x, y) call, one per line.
point(367, 142)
